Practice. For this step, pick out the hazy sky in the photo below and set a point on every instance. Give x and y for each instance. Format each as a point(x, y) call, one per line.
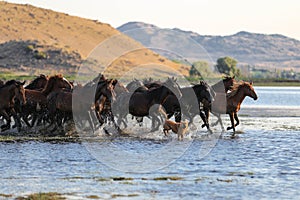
point(212, 17)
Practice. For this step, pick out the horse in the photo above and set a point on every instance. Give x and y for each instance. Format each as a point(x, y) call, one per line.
point(104, 95)
point(56, 83)
point(234, 100)
point(141, 102)
point(224, 85)
point(220, 87)
point(10, 91)
point(38, 83)
point(190, 106)
point(36, 95)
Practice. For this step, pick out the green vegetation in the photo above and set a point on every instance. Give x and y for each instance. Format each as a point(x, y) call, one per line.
point(39, 55)
point(227, 66)
point(201, 68)
point(43, 196)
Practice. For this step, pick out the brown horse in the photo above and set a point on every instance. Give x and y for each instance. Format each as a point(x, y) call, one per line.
point(104, 96)
point(62, 104)
point(224, 85)
point(10, 91)
point(220, 89)
point(57, 83)
point(141, 102)
point(38, 83)
point(190, 103)
point(234, 100)
point(36, 97)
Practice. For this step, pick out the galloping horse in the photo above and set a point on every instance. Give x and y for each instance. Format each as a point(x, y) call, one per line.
point(141, 102)
point(189, 106)
point(36, 97)
point(10, 91)
point(234, 100)
point(57, 83)
point(38, 83)
point(220, 89)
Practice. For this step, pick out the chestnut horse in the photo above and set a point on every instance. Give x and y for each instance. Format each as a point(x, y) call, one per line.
point(10, 91)
point(37, 99)
point(234, 100)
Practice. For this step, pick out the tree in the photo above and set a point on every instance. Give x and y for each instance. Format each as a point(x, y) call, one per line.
point(200, 68)
point(227, 65)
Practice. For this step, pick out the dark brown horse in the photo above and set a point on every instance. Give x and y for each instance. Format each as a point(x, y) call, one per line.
point(104, 96)
point(139, 103)
point(38, 83)
point(57, 83)
point(10, 91)
point(63, 104)
point(190, 103)
point(234, 100)
point(221, 88)
point(36, 97)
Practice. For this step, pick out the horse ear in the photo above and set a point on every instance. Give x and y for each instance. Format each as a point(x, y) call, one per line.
point(114, 82)
point(251, 82)
point(23, 83)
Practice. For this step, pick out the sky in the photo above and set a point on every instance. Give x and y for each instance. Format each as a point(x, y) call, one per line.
point(206, 17)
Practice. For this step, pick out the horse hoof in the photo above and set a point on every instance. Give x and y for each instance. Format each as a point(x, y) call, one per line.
point(228, 128)
point(4, 128)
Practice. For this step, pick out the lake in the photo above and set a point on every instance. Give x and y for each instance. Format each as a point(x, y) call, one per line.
point(262, 162)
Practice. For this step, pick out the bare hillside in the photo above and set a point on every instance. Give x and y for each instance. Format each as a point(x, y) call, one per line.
point(73, 37)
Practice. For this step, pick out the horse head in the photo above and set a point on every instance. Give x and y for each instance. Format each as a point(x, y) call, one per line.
point(38, 83)
point(228, 83)
point(173, 86)
point(106, 88)
point(56, 83)
point(20, 92)
point(250, 90)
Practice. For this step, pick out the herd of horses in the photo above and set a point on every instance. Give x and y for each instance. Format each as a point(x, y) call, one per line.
point(53, 101)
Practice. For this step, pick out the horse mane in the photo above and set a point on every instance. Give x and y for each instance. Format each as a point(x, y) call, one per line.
point(10, 82)
point(49, 84)
point(34, 82)
point(235, 88)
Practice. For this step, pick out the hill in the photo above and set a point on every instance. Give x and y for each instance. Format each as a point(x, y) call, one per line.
point(261, 50)
point(42, 39)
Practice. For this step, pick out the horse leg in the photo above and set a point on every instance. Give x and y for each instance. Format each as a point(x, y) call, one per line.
point(231, 115)
point(236, 119)
point(16, 119)
point(6, 126)
point(204, 119)
point(219, 120)
point(155, 118)
point(89, 118)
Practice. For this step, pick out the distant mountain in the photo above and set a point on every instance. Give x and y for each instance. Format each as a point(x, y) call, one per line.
point(34, 39)
point(262, 50)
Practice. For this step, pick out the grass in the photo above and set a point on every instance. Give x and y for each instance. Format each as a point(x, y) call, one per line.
point(43, 196)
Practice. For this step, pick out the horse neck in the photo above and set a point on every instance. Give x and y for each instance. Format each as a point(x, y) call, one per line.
point(158, 95)
point(35, 84)
point(8, 92)
point(227, 86)
point(119, 89)
point(48, 88)
point(219, 87)
point(239, 96)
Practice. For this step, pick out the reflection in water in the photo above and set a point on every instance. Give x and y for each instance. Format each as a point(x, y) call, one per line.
point(261, 163)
